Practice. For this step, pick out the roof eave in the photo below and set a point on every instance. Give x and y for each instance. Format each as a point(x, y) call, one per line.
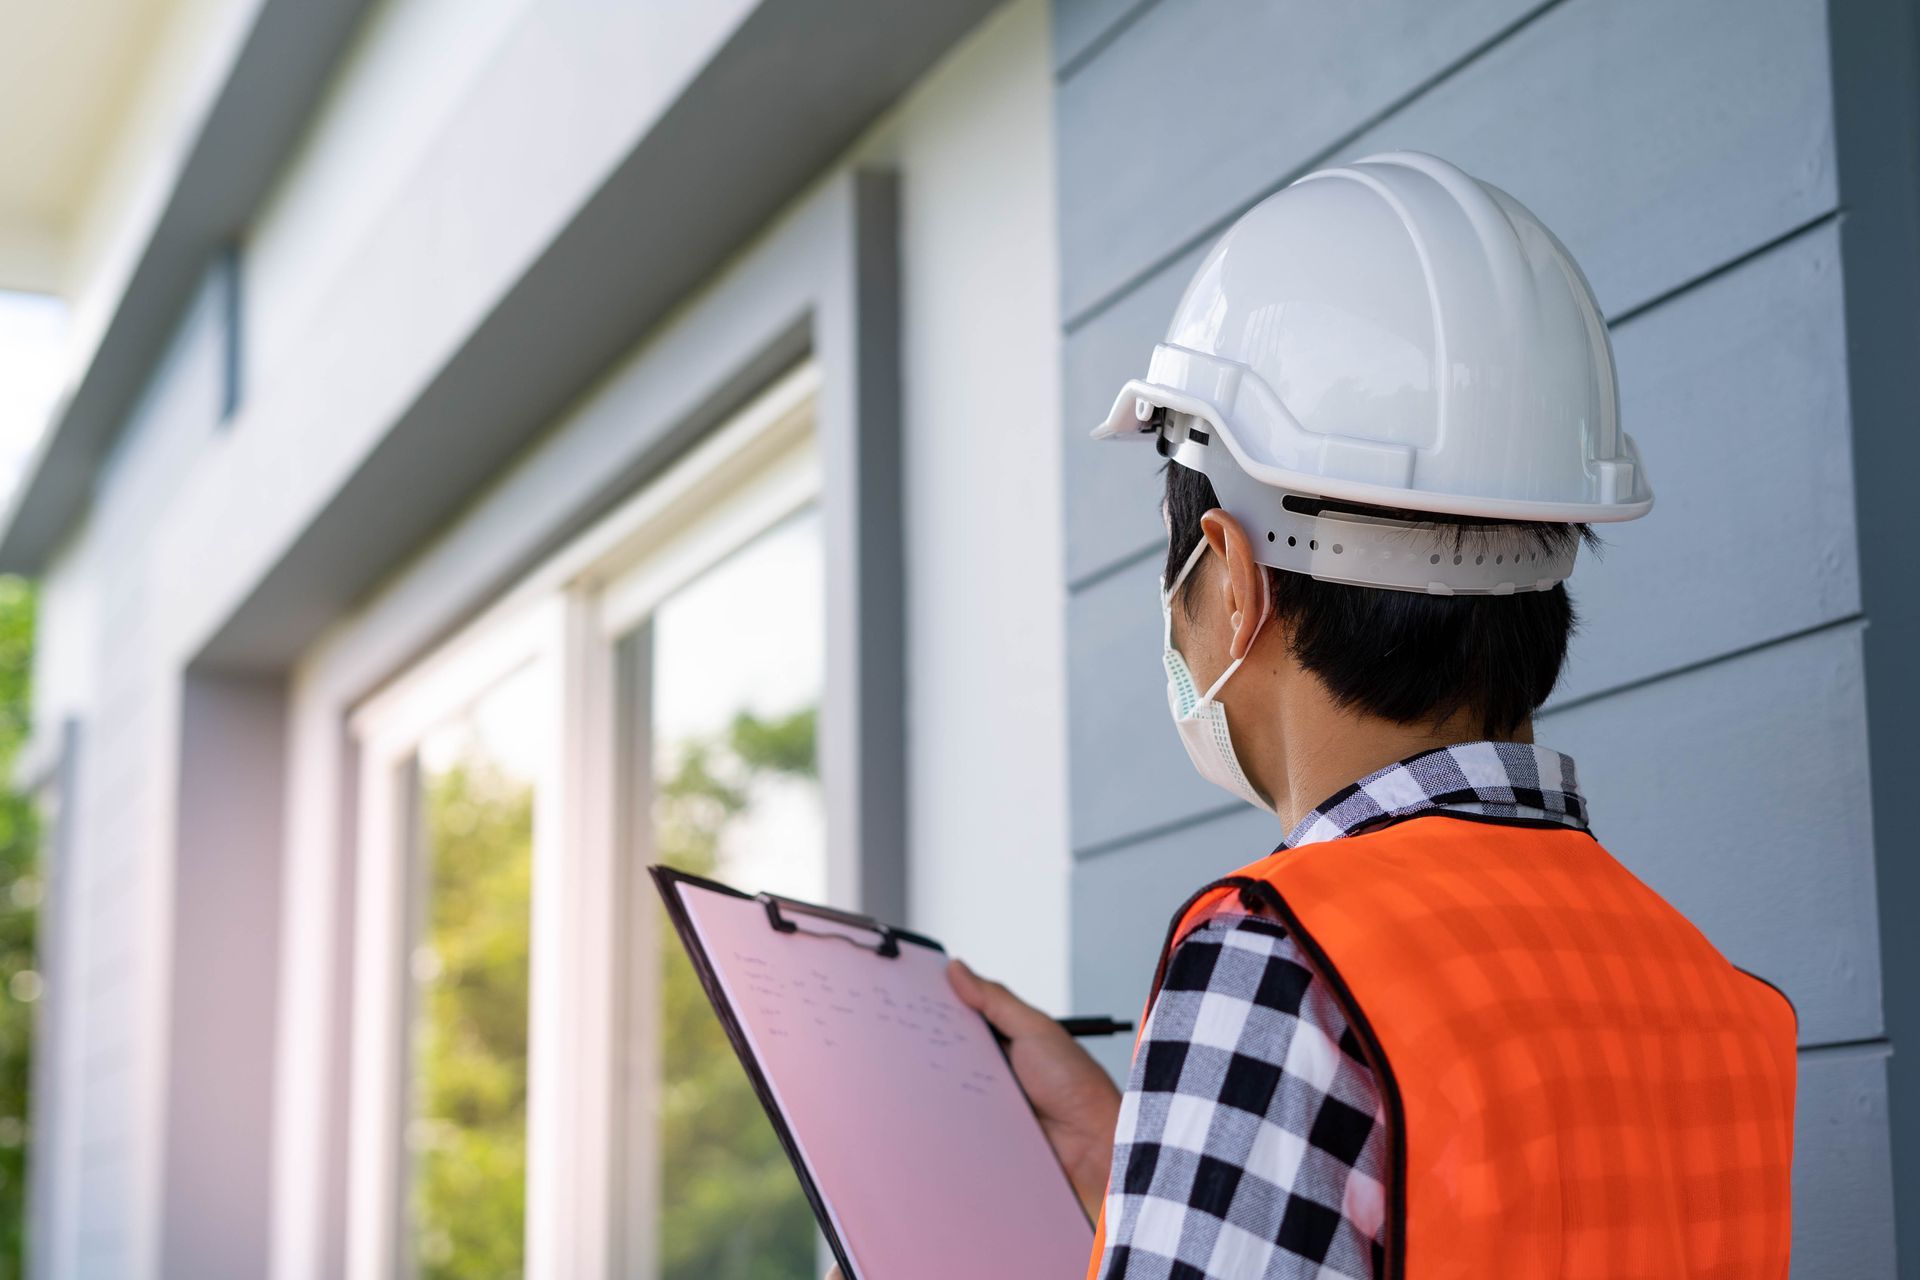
point(273, 80)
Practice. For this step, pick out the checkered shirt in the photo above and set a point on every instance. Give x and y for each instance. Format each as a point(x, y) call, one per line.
point(1251, 1143)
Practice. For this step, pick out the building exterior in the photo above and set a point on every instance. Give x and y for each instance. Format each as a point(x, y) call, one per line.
point(508, 443)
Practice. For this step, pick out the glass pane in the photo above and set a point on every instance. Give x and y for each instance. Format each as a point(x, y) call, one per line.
point(467, 1130)
point(735, 677)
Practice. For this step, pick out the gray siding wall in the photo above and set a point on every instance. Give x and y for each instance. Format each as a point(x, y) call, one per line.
point(100, 602)
point(1716, 699)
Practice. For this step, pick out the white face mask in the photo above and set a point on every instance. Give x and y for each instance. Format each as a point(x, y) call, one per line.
point(1202, 722)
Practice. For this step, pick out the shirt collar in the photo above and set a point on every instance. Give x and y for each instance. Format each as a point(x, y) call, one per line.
point(1499, 779)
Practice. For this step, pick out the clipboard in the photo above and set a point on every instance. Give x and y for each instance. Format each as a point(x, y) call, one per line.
point(896, 1104)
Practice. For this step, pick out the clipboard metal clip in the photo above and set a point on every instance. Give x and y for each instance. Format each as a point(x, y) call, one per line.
point(888, 945)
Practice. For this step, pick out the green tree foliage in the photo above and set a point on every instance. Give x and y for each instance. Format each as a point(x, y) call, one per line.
point(730, 1203)
point(19, 895)
point(469, 1131)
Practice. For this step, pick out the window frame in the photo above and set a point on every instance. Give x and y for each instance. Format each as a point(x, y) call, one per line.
point(821, 282)
point(586, 1011)
point(387, 733)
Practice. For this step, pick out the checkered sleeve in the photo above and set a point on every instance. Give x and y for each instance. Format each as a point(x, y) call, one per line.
point(1251, 1143)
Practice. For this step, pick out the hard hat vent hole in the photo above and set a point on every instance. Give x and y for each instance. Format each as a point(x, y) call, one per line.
point(1479, 559)
point(1499, 559)
point(1269, 535)
point(1313, 544)
point(1292, 541)
point(1456, 559)
point(1434, 558)
point(1337, 548)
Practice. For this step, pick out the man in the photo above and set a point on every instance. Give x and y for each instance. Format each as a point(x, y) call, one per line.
point(1439, 1031)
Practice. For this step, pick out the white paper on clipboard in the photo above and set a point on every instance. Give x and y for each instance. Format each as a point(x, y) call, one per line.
point(921, 1146)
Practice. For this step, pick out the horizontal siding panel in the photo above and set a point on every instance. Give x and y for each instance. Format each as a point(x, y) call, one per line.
point(1113, 486)
point(1722, 145)
point(1736, 392)
point(108, 1085)
point(1842, 1166)
point(1124, 901)
point(109, 928)
point(1199, 106)
point(104, 1256)
point(1656, 139)
point(1079, 24)
point(118, 785)
point(1127, 770)
point(1738, 791)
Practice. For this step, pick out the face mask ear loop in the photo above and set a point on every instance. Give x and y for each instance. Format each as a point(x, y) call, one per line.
point(1266, 607)
point(1167, 594)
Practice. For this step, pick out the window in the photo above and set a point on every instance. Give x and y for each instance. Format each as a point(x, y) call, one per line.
point(466, 1128)
point(721, 688)
point(539, 1083)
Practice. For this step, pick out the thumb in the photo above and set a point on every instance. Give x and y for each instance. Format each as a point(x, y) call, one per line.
point(1006, 1011)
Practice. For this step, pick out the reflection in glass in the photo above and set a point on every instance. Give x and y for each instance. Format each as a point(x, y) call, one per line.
point(467, 1128)
point(735, 687)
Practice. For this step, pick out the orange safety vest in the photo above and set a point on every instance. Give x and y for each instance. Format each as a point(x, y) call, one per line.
point(1578, 1086)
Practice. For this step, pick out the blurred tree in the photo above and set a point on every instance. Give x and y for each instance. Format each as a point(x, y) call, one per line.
point(19, 896)
point(731, 1205)
point(468, 1134)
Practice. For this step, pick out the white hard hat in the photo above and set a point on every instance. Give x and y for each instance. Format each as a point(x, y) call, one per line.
point(1393, 333)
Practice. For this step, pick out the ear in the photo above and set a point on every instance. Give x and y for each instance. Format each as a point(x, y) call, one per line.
point(1244, 584)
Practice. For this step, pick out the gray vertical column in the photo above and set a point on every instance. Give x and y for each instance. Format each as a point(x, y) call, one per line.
point(222, 1022)
point(862, 723)
point(1876, 79)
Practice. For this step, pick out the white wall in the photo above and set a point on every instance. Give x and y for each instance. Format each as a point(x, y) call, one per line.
point(983, 546)
point(985, 597)
point(388, 237)
point(558, 104)
point(402, 79)
point(188, 513)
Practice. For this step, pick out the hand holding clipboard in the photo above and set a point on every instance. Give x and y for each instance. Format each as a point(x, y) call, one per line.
point(1072, 1096)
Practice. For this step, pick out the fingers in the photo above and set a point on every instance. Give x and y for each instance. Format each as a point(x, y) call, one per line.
point(833, 1273)
point(1006, 1011)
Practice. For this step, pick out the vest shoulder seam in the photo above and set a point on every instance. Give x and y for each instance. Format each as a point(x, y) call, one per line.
point(1791, 1006)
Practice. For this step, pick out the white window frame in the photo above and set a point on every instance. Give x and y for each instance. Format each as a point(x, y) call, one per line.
point(568, 614)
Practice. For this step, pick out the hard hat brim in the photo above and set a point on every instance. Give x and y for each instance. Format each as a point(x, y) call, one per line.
point(1126, 421)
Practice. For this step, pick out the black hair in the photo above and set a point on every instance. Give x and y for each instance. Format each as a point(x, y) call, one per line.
point(1407, 656)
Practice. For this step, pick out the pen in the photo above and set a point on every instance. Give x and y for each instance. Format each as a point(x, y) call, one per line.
point(1076, 1027)
point(1094, 1026)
